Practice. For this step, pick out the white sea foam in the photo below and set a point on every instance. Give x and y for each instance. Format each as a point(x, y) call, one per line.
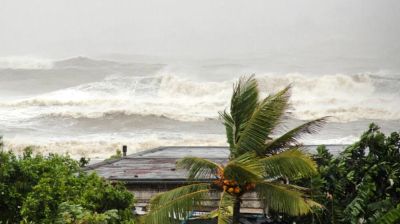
point(45, 119)
point(330, 141)
point(103, 146)
point(167, 96)
point(345, 97)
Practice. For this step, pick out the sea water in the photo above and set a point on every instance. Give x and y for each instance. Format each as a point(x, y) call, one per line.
point(90, 107)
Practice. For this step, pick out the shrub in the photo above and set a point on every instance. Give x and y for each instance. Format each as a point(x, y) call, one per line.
point(33, 188)
point(361, 184)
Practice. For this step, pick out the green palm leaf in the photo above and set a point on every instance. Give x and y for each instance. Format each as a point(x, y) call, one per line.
point(291, 137)
point(198, 167)
point(172, 206)
point(292, 163)
point(244, 101)
point(225, 208)
point(230, 128)
point(224, 211)
point(265, 118)
point(391, 217)
point(245, 168)
point(284, 198)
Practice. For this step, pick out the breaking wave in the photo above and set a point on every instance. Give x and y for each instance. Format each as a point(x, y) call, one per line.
point(344, 97)
point(91, 107)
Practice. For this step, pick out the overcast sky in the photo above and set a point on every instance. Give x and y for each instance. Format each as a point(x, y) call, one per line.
point(201, 28)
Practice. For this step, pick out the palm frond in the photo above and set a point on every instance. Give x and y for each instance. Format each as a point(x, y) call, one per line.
point(285, 198)
point(199, 167)
point(292, 163)
point(290, 138)
point(225, 208)
point(391, 217)
point(265, 118)
point(245, 168)
point(172, 206)
point(244, 101)
point(230, 128)
point(224, 211)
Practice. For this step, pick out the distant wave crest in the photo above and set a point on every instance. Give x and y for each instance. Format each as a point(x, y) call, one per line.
point(25, 63)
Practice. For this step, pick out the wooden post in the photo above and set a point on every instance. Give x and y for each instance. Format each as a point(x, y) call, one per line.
point(124, 150)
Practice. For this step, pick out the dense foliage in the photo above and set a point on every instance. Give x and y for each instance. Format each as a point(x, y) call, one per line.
point(361, 184)
point(41, 189)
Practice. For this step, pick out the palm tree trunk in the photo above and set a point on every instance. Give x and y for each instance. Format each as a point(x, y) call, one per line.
point(236, 211)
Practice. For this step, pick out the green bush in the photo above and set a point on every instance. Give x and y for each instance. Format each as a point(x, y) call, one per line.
point(361, 184)
point(34, 188)
point(117, 155)
point(71, 213)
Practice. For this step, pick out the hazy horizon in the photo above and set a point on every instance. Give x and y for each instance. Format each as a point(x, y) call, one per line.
point(201, 29)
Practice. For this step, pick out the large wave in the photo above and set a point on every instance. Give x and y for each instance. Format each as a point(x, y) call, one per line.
point(344, 97)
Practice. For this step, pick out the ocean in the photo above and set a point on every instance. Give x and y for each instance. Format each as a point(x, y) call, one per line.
point(91, 107)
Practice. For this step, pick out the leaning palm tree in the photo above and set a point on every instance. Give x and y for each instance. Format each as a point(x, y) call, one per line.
point(257, 163)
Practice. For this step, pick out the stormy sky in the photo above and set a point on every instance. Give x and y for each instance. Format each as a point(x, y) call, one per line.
point(201, 28)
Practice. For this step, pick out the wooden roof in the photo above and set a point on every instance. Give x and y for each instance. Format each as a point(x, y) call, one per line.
point(158, 165)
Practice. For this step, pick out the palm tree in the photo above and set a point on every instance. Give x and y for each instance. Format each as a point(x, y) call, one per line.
point(257, 163)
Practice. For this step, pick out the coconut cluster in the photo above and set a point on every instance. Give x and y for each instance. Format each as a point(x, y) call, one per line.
point(232, 186)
